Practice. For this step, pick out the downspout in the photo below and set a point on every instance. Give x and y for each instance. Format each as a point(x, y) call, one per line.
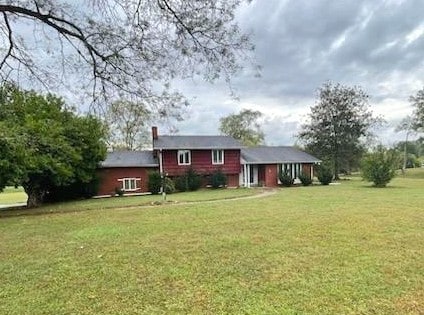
point(162, 175)
point(160, 161)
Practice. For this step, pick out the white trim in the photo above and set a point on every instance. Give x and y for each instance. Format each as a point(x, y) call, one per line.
point(219, 152)
point(128, 180)
point(183, 153)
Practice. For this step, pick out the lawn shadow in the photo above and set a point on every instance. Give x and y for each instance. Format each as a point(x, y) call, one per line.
point(387, 187)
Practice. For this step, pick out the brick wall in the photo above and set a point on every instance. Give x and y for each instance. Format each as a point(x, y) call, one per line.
point(109, 178)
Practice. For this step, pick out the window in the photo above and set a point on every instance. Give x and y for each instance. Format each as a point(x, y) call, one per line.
point(184, 157)
point(129, 184)
point(217, 156)
point(293, 169)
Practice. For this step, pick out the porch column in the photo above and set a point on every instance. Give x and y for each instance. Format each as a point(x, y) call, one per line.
point(248, 176)
point(245, 175)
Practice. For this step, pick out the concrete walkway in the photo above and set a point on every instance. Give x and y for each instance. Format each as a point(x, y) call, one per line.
point(265, 193)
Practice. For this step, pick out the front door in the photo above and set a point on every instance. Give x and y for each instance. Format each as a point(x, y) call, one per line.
point(253, 175)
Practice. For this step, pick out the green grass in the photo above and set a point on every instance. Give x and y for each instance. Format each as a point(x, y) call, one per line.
point(342, 249)
point(413, 173)
point(134, 201)
point(11, 195)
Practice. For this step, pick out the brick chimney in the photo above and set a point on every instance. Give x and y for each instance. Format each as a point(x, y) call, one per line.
point(154, 133)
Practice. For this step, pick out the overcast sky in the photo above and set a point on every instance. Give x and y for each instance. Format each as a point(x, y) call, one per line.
point(300, 44)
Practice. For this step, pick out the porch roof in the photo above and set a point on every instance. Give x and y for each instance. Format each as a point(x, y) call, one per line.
point(275, 155)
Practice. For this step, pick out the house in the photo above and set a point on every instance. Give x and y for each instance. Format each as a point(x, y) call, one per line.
point(174, 155)
point(204, 154)
point(126, 170)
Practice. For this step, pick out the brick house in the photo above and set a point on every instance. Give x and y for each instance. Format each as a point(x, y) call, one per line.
point(174, 155)
point(126, 170)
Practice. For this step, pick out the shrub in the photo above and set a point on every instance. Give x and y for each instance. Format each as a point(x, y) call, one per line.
point(169, 185)
point(412, 161)
point(218, 179)
point(285, 179)
point(190, 181)
point(305, 179)
point(155, 182)
point(379, 166)
point(181, 183)
point(193, 180)
point(75, 191)
point(119, 191)
point(324, 174)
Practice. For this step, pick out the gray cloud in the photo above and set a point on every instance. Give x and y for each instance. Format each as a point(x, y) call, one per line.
point(378, 45)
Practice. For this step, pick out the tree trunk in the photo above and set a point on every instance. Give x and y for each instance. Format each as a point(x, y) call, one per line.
point(405, 155)
point(336, 169)
point(336, 158)
point(35, 195)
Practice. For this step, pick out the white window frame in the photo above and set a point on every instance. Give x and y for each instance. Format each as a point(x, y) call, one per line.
point(215, 157)
point(127, 182)
point(184, 154)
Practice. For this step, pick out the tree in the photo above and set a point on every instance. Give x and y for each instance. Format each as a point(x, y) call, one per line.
point(406, 125)
point(120, 49)
point(127, 125)
point(243, 126)
point(411, 151)
point(337, 124)
point(380, 166)
point(44, 144)
point(418, 116)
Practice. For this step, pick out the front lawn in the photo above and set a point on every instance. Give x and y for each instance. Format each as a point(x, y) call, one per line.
point(12, 195)
point(342, 249)
point(132, 201)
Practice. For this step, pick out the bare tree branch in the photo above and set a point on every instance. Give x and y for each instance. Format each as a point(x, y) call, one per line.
point(122, 48)
point(9, 32)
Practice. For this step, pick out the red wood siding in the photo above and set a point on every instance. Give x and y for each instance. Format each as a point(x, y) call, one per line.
point(233, 180)
point(109, 178)
point(271, 175)
point(201, 162)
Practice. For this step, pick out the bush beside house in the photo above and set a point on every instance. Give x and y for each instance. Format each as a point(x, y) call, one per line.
point(305, 179)
point(218, 179)
point(285, 179)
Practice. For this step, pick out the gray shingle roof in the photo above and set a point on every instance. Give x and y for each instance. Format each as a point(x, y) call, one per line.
point(130, 159)
point(195, 142)
point(275, 155)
